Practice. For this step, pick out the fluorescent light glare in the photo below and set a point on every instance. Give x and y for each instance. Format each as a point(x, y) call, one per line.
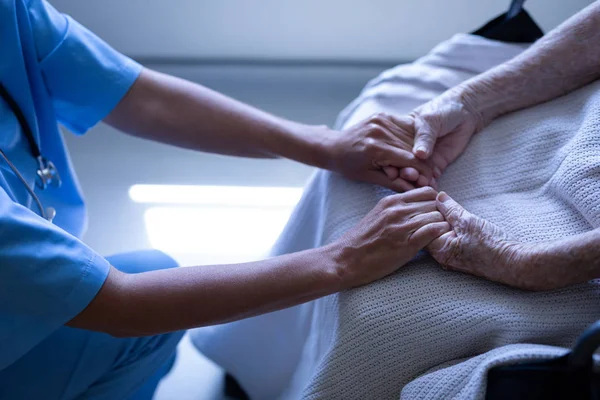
point(235, 231)
point(231, 196)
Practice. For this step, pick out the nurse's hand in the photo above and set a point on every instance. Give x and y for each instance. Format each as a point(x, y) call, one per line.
point(379, 150)
point(389, 236)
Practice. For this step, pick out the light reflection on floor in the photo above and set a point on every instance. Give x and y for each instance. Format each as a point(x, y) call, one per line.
point(193, 377)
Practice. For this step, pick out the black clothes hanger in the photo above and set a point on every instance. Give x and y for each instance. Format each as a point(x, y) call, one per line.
point(514, 26)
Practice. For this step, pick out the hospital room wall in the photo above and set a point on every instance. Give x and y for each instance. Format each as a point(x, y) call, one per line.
point(297, 30)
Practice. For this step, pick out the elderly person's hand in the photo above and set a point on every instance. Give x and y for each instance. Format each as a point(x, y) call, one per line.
point(443, 128)
point(478, 247)
point(379, 150)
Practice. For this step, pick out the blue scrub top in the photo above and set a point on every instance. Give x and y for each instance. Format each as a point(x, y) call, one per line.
point(59, 73)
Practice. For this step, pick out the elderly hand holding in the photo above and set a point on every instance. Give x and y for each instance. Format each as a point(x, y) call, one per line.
point(481, 248)
point(373, 150)
point(564, 60)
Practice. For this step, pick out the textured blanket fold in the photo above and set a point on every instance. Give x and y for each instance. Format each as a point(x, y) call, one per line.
point(425, 333)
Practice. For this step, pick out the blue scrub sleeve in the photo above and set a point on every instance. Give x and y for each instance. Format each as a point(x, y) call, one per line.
point(47, 277)
point(85, 77)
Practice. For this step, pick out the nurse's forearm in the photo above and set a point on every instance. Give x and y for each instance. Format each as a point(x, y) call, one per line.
point(565, 59)
point(178, 112)
point(174, 299)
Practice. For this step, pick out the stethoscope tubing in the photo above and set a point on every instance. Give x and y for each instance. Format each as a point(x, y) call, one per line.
point(46, 172)
point(29, 189)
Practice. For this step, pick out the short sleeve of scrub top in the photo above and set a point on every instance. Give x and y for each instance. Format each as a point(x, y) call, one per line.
point(86, 78)
point(47, 275)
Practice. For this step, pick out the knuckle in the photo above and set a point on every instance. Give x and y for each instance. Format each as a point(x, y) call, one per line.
point(388, 213)
point(438, 216)
point(398, 199)
point(385, 202)
point(393, 208)
point(370, 143)
point(389, 201)
point(375, 130)
point(373, 126)
point(379, 117)
point(458, 213)
point(428, 190)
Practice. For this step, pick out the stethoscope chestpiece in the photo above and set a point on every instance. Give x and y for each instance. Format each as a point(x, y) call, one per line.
point(47, 174)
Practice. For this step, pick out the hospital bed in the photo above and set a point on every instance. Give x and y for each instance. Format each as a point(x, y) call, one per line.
point(565, 376)
point(571, 376)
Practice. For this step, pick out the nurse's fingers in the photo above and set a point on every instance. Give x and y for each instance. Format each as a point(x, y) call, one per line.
point(420, 194)
point(410, 174)
point(428, 233)
point(391, 172)
point(390, 156)
point(420, 207)
point(398, 185)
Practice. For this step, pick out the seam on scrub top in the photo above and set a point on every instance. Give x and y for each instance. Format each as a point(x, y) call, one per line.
point(121, 82)
point(84, 274)
point(59, 44)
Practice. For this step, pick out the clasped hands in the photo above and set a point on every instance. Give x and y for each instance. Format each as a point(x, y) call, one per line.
point(402, 153)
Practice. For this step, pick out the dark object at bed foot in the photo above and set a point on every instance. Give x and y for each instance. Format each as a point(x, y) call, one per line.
point(570, 377)
point(233, 390)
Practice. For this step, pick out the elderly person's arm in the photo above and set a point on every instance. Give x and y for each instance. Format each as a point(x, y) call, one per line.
point(478, 247)
point(565, 59)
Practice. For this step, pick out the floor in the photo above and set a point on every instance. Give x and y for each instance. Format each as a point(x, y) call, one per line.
point(193, 377)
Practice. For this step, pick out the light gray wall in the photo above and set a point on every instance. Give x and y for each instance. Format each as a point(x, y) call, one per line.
point(300, 29)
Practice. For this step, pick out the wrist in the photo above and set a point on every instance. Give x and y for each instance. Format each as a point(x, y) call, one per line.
point(336, 266)
point(324, 145)
point(532, 267)
point(311, 145)
point(473, 105)
point(493, 93)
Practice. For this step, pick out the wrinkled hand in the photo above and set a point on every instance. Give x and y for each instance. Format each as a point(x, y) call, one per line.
point(389, 236)
point(480, 248)
point(379, 150)
point(443, 128)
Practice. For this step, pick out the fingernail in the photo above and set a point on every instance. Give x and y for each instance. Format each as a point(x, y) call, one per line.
point(421, 149)
point(443, 197)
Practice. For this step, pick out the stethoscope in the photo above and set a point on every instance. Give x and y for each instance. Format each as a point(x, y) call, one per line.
point(47, 174)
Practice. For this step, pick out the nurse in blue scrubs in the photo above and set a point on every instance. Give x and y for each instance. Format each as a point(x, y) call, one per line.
point(74, 324)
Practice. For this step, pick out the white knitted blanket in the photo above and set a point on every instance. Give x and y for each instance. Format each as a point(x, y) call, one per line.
point(425, 333)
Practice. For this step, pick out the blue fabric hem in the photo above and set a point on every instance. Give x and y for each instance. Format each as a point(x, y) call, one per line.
point(93, 277)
